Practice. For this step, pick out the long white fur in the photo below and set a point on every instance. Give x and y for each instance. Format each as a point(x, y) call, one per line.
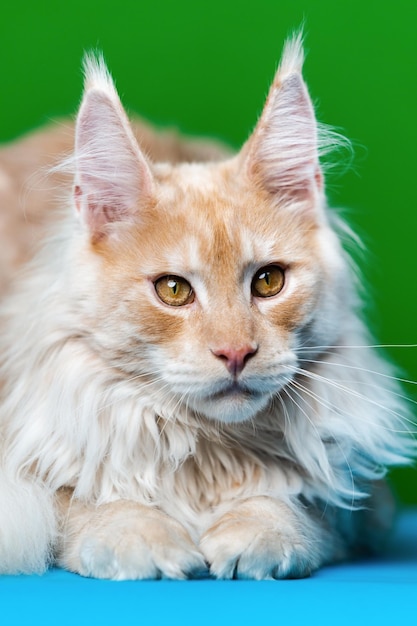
point(104, 437)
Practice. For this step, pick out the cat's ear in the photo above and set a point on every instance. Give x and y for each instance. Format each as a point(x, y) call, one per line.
point(112, 176)
point(282, 154)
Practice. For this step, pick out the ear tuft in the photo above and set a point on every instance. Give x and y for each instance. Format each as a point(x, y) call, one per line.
point(112, 175)
point(97, 76)
point(292, 58)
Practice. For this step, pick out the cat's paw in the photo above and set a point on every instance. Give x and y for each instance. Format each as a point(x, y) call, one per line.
point(126, 541)
point(262, 539)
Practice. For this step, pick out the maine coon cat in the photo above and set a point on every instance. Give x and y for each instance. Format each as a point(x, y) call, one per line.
point(186, 381)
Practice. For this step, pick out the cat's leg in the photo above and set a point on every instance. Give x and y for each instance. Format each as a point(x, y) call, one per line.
point(27, 525)
point(264, 538)
point(124, 540)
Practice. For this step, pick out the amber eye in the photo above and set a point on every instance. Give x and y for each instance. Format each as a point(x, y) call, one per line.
point(268, 281)
point(174, 290)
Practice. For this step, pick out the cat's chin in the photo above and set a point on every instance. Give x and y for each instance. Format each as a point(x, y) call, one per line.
point(233, 404)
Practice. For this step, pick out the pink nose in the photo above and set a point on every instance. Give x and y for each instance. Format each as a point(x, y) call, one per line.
point(235, 359)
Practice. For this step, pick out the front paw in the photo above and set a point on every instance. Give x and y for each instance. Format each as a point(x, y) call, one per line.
point(127, 541)
point(261, 538)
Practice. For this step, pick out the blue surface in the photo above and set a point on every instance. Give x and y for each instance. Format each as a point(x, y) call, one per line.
point(379, 592)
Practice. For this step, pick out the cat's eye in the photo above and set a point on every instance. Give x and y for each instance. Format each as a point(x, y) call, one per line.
point(174, 290)
point(268, 281)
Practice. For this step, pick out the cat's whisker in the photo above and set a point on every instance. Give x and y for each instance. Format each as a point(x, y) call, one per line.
point(329, 406)
point(361, 369)
point(368, 384)
point(115, 399)
point(179, 401)
point(357, 346)
point(284, 412)
point(186, 407)
point(102, 407)
point(130, 379)
point(300, 408)
point(294, 387)
point(402, 418)
point(314, 396)
point(286, 390)
point(356, 394)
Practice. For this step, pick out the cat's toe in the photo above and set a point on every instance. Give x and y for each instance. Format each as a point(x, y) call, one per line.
point(98, 559)
point(261, 555)
point(242, 544)
point(127, 541)
point(137, 560)
point(267, 555)
point(272, 555)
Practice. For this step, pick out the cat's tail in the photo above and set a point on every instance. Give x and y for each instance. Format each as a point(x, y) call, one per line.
point(27, 526)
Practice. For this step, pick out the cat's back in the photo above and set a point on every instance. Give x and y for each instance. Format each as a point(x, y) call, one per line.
point(29, 193)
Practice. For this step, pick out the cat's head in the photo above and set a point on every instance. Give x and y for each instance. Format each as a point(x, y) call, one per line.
point(200, 281)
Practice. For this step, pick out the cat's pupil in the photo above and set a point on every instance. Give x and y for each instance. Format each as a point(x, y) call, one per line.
point(173, 285)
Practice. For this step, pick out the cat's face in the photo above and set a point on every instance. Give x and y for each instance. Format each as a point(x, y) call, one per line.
point(200, 281)
point(212, 292)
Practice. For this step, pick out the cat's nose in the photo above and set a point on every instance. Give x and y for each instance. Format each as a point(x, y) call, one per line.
point(235, 359)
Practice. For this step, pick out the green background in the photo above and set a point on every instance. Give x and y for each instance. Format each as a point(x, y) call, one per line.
point(206, 67)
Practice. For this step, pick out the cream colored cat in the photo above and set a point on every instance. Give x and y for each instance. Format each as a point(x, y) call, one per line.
point(182, 386)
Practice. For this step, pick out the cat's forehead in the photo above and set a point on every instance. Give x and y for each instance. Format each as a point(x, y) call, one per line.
point(174, 181)
point(208, 220)
point(207, 204)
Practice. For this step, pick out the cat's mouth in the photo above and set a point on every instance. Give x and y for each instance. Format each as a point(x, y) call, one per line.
point(238, 400)
point(233, 402)
point(236, 390)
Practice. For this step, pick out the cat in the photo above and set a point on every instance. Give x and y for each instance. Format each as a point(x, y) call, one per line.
point(187, 386)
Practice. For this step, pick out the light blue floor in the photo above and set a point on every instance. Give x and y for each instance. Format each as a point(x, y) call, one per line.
point(376, 592)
